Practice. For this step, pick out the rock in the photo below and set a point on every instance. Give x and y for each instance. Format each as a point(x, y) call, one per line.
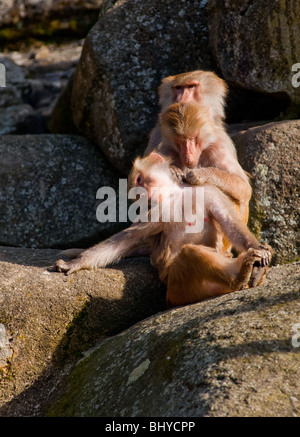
point(236, 355)
point(22, 19)
point(48, 319)
point(48, 186)
point(129, 50)
point(271, 154)
point(256, 43)
point(61, 120)
point(33, 85)
point(16, 115)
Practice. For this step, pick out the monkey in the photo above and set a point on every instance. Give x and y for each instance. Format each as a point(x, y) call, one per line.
point(202, 152)
point(201, 89)
point(171, 244)
point(195, 143)
point(198, 87)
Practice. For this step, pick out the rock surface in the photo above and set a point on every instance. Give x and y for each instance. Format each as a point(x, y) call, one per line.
point(114, 96)
point(271, 154)
point(35, 78)
point(16, 114)
point(47, 318)
point(237, 355)
point(48, 186)
point(256, 49)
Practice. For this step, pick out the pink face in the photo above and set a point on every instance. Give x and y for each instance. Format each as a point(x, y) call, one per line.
point(190, 150)
point(151, 184)
point(144, 181)
point(189, 92)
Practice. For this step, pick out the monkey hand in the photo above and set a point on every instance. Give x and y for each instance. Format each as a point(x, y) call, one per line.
point(197, 177)
point(266, 254)
point(177, 174)
point(68, 267)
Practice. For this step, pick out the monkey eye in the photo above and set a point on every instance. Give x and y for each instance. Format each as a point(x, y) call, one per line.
point(193, 85)
point(178, 87)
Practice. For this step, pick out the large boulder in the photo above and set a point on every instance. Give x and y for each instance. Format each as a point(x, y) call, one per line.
point(236, 355)
point(48, 186)
point(48, 319)
point(257, 43)
point(129, 50)
point(271, 154)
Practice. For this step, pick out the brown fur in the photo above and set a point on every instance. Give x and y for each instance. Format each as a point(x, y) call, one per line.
point(217, 165)
point(211, 92)
point(198, 273)
point(188, 263)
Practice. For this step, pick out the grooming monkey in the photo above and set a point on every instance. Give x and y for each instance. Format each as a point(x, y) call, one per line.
point(199, 95)
point(203, 151)
point(191, 253)
point(216, 164)
point(198, 87)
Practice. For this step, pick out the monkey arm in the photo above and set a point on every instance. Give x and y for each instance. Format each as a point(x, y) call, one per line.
point(232, 185)
point(112, 249)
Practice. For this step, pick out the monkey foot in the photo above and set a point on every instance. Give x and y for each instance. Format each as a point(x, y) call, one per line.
point(260, 266)
point(66, 267)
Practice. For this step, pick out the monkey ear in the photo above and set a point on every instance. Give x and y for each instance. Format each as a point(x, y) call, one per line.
point(156, 157)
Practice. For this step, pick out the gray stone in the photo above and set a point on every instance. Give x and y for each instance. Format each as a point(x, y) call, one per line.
point(48, 319)
point(48, 186)
point(35, 78)
point(237, 355)
point(15, 113)
point(256, 43)
point(271, 154)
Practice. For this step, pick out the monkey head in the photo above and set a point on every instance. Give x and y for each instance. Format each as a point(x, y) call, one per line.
point(189, 130)
point(199, 87)
point(153, 174)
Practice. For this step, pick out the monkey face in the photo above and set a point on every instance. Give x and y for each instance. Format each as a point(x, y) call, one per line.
point(187, 93)
point(189, 150)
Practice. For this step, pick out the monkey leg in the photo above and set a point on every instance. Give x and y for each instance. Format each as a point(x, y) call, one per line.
point(199, 272)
